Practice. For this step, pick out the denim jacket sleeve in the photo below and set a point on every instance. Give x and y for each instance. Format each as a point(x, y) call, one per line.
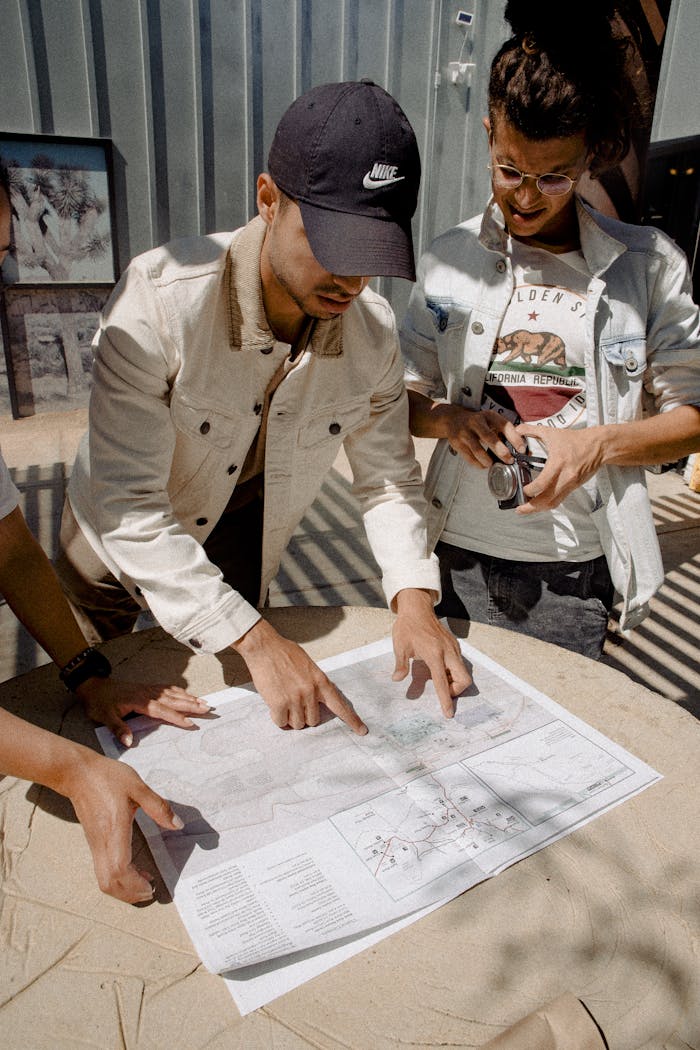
point(422, 371)
point(673, 333)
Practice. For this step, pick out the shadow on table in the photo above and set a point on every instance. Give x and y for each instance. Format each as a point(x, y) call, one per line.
point(628, 916)
point(662, 653)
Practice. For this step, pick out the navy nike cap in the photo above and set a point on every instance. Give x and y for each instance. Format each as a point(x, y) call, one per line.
point(347, 154)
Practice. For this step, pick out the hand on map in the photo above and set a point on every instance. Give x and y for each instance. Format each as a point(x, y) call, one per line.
point(105, 796)
point(418, 634)
point(107, 700)
point(573, 456)
point(290, 683)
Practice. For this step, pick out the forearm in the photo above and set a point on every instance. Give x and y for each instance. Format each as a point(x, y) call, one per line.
point(105, 796)
point(34, 754)
point(664, 438)
point(415, 600)
point(431, 419)
point(32, 591)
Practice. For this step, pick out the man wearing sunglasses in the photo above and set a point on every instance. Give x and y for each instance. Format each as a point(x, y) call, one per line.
point(555, 353)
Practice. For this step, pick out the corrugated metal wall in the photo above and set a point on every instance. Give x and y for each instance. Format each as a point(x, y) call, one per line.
point(190, 91)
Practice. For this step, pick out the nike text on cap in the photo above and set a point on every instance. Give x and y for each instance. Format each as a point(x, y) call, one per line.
point(347, 154)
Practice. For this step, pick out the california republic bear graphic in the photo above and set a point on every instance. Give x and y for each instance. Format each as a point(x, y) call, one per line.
point(541, 347)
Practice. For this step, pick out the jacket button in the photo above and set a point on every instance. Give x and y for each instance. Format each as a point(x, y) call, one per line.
point(442, 324)
point(201, 521)
point(478, 328)
point(334, 428)
point(501, 266)
point(258, 409)
point(195, 643)
point(205, 427)
point(630, 363)
point(138, 591)
point(266, 349)
point(467, 391)
point(232, 469)
point(436, 502)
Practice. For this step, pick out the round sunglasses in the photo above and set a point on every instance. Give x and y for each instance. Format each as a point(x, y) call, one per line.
point(551, 183)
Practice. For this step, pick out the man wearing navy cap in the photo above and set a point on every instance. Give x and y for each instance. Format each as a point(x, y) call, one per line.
point(228, 371)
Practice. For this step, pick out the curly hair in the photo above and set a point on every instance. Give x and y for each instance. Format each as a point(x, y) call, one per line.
point(551, 81)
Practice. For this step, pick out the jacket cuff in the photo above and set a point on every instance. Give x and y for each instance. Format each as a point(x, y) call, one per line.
point(423, 575)
point(219, 631)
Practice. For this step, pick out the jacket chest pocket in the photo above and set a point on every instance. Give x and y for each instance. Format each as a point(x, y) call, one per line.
point(203, 425)
point(330, 426)
point(205, 442)
point(627, 356)
point(625, 361)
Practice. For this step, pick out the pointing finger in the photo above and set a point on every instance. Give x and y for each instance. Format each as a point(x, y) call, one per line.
point(340, 707)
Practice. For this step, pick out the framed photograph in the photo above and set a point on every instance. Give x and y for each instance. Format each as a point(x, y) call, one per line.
point(62, 198)
point(48, 332)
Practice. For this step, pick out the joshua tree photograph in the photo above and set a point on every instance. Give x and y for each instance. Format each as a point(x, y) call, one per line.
point(61, 221)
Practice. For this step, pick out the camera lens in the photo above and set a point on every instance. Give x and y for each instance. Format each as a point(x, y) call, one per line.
point(503, 480)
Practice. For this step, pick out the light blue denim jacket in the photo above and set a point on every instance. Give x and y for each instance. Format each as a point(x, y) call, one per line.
point(642, 357)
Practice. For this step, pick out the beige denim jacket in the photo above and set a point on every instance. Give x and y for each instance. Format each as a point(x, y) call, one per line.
point(182, 360)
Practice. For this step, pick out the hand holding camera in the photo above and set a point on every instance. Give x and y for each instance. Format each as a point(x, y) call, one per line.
point(506, 481)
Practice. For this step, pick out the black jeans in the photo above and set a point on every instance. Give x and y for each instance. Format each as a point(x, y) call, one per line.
point(235, 546)
point(567, 603)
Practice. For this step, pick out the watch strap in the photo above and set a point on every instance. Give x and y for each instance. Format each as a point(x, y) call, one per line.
point(87, 664)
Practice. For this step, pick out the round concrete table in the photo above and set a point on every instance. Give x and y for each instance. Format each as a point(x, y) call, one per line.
point(610, 913)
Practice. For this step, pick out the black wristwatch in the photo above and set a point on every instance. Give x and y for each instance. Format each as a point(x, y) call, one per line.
point(87, 664)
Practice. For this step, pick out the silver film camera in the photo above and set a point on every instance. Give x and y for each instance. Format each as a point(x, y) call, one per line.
point(507, 480)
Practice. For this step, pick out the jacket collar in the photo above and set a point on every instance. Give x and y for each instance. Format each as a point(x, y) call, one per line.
point(599, 247)
point(248, 325)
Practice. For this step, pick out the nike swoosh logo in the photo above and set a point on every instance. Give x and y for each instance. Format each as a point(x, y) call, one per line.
point(372, 184)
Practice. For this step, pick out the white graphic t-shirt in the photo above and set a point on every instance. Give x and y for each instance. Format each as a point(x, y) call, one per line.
point(536, 375)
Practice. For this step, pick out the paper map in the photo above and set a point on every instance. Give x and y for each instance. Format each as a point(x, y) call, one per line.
point(298, 839)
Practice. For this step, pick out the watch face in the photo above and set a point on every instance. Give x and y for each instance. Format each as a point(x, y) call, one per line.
point(101, 667)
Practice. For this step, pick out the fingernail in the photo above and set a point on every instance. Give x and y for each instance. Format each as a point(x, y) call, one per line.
point(204, 705)
point(177, 822)
point(188, 722)
point(127, 739)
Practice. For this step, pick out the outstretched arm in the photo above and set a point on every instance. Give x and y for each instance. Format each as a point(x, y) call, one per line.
point(105, 795)
point(32, 590)
point(573, 456)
